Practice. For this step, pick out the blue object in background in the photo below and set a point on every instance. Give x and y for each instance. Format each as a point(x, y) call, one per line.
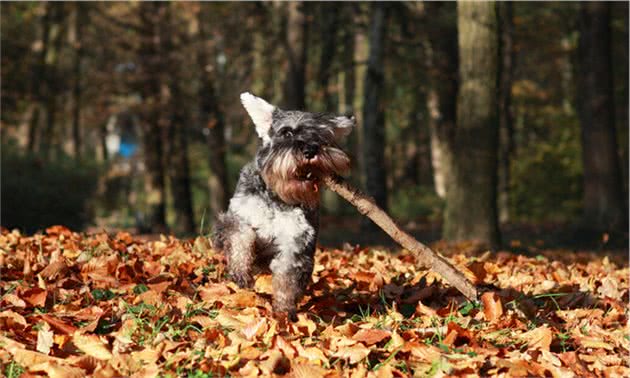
point(127, 148)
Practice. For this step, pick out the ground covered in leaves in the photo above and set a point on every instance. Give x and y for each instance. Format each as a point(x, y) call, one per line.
point(75, 305)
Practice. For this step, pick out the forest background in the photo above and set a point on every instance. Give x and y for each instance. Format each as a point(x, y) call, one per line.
point(493, 122)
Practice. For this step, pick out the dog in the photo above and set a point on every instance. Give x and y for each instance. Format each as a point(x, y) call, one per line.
point(272, 221)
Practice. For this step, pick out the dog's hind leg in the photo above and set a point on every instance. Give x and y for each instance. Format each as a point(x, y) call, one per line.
point(236, 240)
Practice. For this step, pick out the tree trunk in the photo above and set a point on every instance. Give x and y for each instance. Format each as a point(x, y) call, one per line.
point(38, 81)
point(212, 119)
point(373, 113)
point(180, 165)
point(506, 117)
point(329, 18)
point(79, 22)
point(441, 66)
point(471, 209)
point(604, 206)
point(296, 44)
point(152, 65)
point(51, 79)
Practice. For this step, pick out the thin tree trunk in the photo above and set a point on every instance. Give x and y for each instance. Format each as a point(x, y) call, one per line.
point(33, 127)
point(180, 165)
point(297, 46)
point(604, 206)
point(51, 79)
point(79, 22)
point(442, 65)
point(346, 106)
point(427, 258)
point(330, 22)
point(373, 113)
point(151, 15)
point(506, 117)
point(213, 120)
point(471, 209)
point(38, 81)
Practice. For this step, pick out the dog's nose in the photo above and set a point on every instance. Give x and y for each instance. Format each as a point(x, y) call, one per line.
point(310, 150)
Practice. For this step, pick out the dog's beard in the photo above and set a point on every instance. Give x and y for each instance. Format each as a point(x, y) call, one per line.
point(295, 179)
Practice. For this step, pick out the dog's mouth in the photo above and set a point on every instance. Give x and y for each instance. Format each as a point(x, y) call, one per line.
point(307, 173)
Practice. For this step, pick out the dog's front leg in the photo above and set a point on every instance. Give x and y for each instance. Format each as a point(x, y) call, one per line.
point(290, 278)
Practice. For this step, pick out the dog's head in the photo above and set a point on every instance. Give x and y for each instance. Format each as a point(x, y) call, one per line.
point(298, 148)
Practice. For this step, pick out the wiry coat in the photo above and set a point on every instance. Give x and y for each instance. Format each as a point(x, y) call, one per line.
point(272, 221)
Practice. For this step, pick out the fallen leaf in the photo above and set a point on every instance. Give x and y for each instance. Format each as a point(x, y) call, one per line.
point(371, 336)
point(253, 329)
point(91, 345)
point(306, 371)
point(538, 338)
point(213, 292)
point(9, 319)
point(354, 353)
point(35, 297)
point(492, 307)
point(595, 343)
point(44, 339)
point(57, 370)
point(58, 324)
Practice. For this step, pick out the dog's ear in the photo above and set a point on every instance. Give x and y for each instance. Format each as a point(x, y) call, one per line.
point(260, 111)
point(344, 125)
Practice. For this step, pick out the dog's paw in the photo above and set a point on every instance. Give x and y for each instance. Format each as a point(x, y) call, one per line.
point(244, 281)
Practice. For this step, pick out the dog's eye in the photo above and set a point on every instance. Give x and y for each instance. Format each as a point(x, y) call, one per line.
point(286, 132)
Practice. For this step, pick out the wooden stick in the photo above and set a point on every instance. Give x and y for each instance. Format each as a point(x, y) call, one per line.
point(428, 258)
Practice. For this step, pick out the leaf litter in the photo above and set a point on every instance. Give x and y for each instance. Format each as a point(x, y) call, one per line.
point(102, 305)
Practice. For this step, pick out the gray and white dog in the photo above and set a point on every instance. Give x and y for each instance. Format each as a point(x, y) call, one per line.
point(273, 219)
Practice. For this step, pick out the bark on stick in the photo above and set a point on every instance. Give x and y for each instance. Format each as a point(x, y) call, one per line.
point(426, 256)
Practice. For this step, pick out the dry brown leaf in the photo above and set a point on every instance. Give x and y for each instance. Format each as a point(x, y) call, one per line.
point(58, 324)
point(313, 354)
point(213, 292)
point(91, 345)
point(44, 339)
point(53, 269)
point(10, 319)
point(13, 300)
point(57, 370)
point(306, 371)
point(492, 307)
point(35, 297)
point(241, 298)
point(595, 343)
point(28, 357)
point(281, 344)
point(254, 328)
point(263, 284)
point(371, 336)
point(354, 353)
point(538, 338)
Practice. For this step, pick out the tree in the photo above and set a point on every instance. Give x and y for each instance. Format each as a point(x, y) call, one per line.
point(373, 113)
point(150, 85)
point(441, 64)
point(213, 120)
point(51, 79)
point(604, 205)
point(178, 127)
point(506, 117)
point(296, 44)
point(471, 211)
point(329, 19)
point(81, 14)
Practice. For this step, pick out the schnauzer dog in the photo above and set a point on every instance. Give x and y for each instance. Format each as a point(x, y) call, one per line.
point(273, 219)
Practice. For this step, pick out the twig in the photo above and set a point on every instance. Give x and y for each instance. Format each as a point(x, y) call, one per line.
point(426, 256)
